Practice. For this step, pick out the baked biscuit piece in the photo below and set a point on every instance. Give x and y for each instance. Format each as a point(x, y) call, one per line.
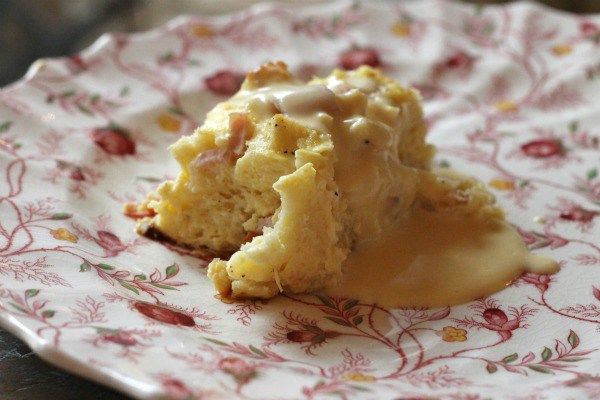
point(289, 176)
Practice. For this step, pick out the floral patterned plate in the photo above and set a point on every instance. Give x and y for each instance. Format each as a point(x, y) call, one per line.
point(511, 95)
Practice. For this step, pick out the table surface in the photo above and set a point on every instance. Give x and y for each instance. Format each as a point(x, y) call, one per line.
point(24, 376)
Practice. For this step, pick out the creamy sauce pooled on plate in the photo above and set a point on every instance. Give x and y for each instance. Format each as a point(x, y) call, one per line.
point(435, 259)
point(430, 259)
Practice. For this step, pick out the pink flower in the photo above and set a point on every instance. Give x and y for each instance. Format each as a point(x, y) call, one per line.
point(176, 389)
point(122, 338)
point(224, 82)
point(354, 58)
point(459, 62)
point(535, 240)
point(110, 242)
point(529, 237)
point(77, 174)
point(311, 334)
point(539, 281)
point(579, 214)
point(543, 148)
point(241, 371)
point(588, 28)
point(113, 140)
point(596, 292)
point(163, 314)
point(557, 241)
point(498, 321)
point(121, 40)
point(76, 63)
point(495, 316)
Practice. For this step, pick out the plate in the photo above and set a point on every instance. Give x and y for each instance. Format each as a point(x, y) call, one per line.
point(511, 96)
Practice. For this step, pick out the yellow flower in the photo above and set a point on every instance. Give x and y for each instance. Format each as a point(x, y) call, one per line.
point(505, 106)
point(401, 29)
point(64, 234)
point(358, 377)
point(202, 31)
point(562, 49)
point(502, 184)
point(169, 123)
point(452, 334)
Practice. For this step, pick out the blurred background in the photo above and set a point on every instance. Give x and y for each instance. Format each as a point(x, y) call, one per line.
point(30, 29)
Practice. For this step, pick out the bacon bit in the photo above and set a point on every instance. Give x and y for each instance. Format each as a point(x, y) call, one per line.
point(241, 129)
point(131, 211)
point(210, 157)
point(240, 126)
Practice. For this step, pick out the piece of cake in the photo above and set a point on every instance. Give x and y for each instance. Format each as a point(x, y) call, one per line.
point(288, 177)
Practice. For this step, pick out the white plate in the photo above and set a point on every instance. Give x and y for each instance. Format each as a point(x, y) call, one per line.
point(511, 94)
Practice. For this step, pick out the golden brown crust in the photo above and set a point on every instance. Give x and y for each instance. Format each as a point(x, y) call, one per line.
point(144, 227)
point(267, 74)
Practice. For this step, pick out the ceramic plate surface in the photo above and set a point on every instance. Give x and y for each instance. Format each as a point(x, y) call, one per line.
point(511, 96)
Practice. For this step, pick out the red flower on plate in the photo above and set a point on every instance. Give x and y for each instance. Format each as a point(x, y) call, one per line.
point(588, 28)
point(495, 316)
point(596, 292)
point(110, 242)
point(77, 174)
point(543, 148)
point(354, 58)
point(113, 140)
point(125, 339)
point(535, 240)
point(312, 335)
point(76, 63)
point(241, 370)
point(495, 319)
point(224, 82)
point(498, 321)
point(539, 281)
point(458, 62)
point(578, 214)
point(176, 389)
point(163, 314)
